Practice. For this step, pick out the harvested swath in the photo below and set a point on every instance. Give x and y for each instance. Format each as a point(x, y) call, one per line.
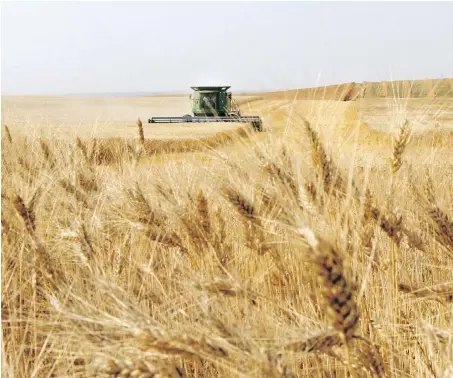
point(335, 289)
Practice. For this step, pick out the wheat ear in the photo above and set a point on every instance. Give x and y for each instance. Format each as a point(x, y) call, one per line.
point(8, 135)
point(27, 213)
point(335, 289)
point(399, 147)
point(141, 133)
point(203, 212)
point(443, 292)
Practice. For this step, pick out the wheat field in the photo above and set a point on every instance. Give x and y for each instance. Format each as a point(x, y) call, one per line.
point(322, 247)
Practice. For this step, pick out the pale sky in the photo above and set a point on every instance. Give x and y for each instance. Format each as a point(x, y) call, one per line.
point(97, 47)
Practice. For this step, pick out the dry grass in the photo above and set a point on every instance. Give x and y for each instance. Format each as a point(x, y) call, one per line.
point(384, 89)
point(279, 256)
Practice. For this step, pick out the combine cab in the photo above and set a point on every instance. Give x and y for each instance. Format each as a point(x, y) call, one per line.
point(212, 104)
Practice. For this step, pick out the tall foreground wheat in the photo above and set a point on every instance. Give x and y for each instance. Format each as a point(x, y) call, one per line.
point(273, 263)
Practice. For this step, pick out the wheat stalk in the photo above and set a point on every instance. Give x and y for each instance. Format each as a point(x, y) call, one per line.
point(226, 287)
point(134, 368)
point(272, 366)
point(82, 147)
point(203, 212)
point(78, 194)
point(26, 213)
point(442, 223)
point(182, 345)
point(442, 292)
point(141, 133)
point(243, 206)
point(8, 135)
point(322, 342)
point(399, 147)
point(48, 155)
point(330, 175)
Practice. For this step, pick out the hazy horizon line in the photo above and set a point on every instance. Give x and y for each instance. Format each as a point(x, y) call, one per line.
point(188, 91)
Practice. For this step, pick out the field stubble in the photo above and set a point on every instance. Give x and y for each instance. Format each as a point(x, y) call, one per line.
point(282, 255)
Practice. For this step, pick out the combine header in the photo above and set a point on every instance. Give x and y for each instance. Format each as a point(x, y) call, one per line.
point(212, 104)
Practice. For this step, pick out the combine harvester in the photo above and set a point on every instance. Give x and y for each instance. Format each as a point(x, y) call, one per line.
point(212, 104)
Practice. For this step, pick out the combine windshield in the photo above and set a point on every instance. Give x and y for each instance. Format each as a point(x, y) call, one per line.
point(209, 101)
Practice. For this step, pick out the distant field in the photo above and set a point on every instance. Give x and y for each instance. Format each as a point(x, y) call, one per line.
point(116, 117)
point(435, 88)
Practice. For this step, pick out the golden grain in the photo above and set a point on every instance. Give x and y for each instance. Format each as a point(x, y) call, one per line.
point(153, 275)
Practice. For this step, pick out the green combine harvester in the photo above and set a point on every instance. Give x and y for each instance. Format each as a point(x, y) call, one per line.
point(212, 104)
